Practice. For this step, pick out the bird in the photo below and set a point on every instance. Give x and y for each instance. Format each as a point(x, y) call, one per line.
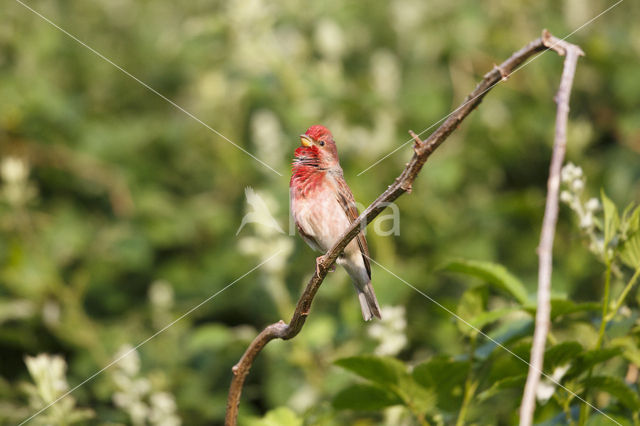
point(323, 207)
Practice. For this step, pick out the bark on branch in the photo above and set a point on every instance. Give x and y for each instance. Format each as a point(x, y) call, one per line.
point(403, 183)
point(545, 249)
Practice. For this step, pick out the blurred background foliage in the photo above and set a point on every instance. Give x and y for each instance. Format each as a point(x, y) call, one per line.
point(119, 212)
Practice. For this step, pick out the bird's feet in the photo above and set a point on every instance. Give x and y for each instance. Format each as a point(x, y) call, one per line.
point(319, 260)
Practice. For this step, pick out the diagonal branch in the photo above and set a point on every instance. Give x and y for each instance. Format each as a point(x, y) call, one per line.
point(545, 249)
point(402, 184)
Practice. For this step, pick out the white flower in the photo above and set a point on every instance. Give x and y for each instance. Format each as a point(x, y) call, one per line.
point(121, 399)
point(163, 408)
point(267, 136)
point(592, 205)
point(547, 386)
point(140, 386)
point(138, 412)
point(385, 73)
point(163, 401)
point(567, 173)
point(48, 373)
point(390, 331)
point(130, 362)
point(577, 172)
point(161, 294)
point(566, 197)
point(586, 221)
point(577, 185)
point(329, 39)
point(571, 172)
point(597, 245)
point(13, 170)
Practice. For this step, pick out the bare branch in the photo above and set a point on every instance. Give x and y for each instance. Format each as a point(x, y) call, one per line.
point(545, 249)
point(402, 184)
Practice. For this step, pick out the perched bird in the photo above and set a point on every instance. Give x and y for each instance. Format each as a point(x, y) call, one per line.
point(323, 207)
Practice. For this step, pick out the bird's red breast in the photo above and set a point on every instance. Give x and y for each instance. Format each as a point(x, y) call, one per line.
point(306, 172)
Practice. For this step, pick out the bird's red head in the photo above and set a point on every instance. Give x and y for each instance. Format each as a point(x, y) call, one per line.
point(318, 144)
point(318, 131)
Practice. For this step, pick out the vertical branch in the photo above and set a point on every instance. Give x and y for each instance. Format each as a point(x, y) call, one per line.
point(545, 249)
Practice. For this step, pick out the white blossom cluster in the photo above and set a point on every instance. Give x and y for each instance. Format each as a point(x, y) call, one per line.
point(547, 385)
point(161, 299)
point(135, 394)
point(574, 181)
point(16, 189)
point(49, 376)
point(390, 331)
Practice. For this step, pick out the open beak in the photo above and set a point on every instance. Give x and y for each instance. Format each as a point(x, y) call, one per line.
point(305, 140)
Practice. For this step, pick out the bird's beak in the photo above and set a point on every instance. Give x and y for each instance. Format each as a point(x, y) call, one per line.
point(305, 140)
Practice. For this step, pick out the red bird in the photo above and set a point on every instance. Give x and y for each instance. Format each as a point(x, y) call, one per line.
point(323, 207)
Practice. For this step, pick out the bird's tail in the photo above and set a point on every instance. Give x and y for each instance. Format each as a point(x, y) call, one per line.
point(368, 302)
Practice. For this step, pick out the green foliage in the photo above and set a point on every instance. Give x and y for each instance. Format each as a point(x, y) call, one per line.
point(617, 388)
point(561, 354)
point(630, 229)
point(391, 384)
point(365, 397)
point(498, 367)
point(446, 377)
point(280, 416)
point(611, 220)
point(384, 371)
point(494, 274)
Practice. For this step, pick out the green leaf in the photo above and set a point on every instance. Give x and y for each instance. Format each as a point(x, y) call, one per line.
point(507, 332)
point(629, 348)
point(446, 377)
point(365, 397)
point(281, 416)
point(630, 251)
point(422, 400)
point(382, 370)
point(615, 387)
point(611, 219)
point(561, 354)
point(470, 306)
point(486, 318)
point(591, 358)
point(208, 337)
point(597, 419)
point(500, 385)
point(630, 220)
point(494, 274)
point(560, 307)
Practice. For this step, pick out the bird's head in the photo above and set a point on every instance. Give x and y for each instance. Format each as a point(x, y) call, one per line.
point(317, 142)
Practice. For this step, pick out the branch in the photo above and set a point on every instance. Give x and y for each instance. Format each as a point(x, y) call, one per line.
point(402, 184)
point(545, 249)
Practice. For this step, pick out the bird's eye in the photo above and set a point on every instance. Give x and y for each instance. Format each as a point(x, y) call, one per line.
point(321, 143)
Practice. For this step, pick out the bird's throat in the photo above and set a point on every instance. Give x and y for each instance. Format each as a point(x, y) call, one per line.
point(307, 173)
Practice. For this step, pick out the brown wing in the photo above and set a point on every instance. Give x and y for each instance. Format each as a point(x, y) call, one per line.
point(308, 238)
point(348, 203)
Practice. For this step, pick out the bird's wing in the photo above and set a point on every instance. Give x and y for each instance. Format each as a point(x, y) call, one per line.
point(348, 204)
point(309, 239)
